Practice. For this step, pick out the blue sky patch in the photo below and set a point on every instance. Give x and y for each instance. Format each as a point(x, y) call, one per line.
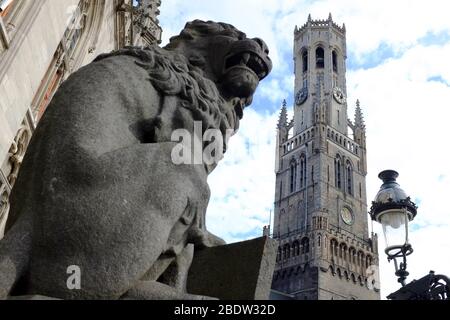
point(439, 78)
point(431, 38)
point(374, 58)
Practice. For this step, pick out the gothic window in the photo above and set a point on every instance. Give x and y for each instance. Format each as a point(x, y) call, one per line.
point(286, 251)
point(304, 245)
point(281, 190)
point(305, 61)
point(349, 174)
point(75, 29)
point(293, 176)
point(49, 85)
point(352, 254)
point(335, 62)
point(368, 261)
point(319, 240)
point(302, 171)
point(320, 61)
point(296, 248)
point(338, 172)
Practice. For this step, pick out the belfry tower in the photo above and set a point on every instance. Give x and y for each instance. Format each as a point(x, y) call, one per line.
point(321, 218)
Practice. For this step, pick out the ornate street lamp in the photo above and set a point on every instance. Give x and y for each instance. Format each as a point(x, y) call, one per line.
point(394, 210)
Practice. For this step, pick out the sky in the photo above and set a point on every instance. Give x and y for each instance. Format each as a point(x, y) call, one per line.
point(398, 66)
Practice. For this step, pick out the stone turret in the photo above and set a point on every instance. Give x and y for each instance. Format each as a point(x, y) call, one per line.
point(146, 24)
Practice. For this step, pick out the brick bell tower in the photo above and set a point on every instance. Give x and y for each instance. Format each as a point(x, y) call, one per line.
point(320, 214)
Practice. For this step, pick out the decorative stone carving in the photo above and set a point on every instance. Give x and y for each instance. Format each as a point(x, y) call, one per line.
point(4, 208)
point(98, 190)
point(17, 152)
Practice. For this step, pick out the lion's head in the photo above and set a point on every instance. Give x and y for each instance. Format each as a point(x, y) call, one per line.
point(227, 57)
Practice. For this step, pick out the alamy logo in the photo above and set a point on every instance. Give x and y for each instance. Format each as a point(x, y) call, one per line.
point(189, 149)
point(74, 280)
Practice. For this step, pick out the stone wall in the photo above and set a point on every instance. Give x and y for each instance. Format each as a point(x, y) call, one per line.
point(41, 44)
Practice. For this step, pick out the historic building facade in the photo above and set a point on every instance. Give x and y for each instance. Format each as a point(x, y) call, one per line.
point(320, 215)
point(41, 44)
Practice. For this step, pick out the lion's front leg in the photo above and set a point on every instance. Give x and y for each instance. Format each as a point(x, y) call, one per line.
point(154, 290)
point(171, 285)
point(177, 272)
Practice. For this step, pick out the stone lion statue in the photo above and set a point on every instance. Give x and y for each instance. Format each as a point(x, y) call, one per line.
point(98, 191)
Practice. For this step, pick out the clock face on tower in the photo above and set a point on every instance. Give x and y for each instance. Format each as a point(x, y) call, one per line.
point(347, 216)
point(301, 96)
point(339, 95)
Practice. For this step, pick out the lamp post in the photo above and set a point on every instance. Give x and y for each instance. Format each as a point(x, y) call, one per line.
point(395, 210)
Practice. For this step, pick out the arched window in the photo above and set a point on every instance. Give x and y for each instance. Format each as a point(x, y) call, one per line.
point(335, 62)
point(302, 171)
point(304, 245)
point(352, 255)
point(349, 174)
point(320, 61)
point(368, 261)
point(338, 172)
point(334, 247)
point(305, 61)
point(295, 248)
point(286, 251)
point(319, 240)
point(293, 176)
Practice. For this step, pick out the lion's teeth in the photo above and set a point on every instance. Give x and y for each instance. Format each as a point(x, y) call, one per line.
point(245, 58)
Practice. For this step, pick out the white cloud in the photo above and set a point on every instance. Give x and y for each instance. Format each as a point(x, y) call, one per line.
point(406, 115)
point(243, 184)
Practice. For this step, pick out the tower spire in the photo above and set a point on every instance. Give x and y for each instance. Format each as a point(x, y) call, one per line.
point(282, 120)
point(359, 118)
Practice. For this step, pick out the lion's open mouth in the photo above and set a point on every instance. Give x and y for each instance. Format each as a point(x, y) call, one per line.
point(249, 60)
